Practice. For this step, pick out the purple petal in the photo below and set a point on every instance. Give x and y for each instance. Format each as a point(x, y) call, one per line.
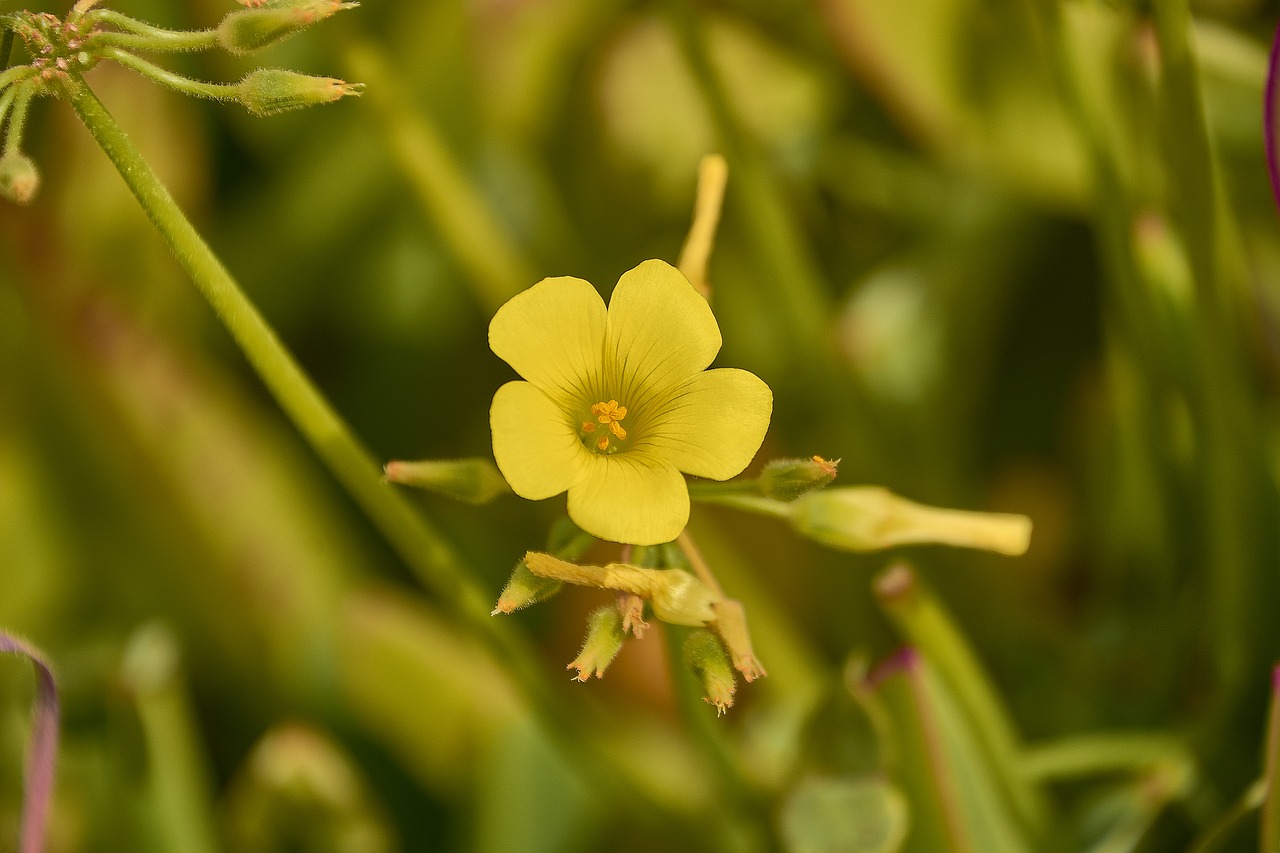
point(43, 750)
point(1269, 117)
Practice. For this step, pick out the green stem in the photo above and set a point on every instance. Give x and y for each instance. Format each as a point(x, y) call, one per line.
point(185, 85)
point(18, 123)
point(138, 35)
point(16, 74)
point(423, 548)
point(750, 503)
point(495, 266)
point(712, 490)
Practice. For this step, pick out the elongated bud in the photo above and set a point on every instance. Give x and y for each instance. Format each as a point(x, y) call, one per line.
point(676, 596)
point(268, 91)
point(788, 479)
point(709, 661)
point(247, 30)
point(524, 588)
point(604, 639)
point(19, 178)
point(869, 518)
point(473, 481)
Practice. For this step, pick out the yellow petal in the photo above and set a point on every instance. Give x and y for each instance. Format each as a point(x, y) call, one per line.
point(553, 334)
point(536, 448)
point(713, 425)
point(659, 332)
point(630, 498)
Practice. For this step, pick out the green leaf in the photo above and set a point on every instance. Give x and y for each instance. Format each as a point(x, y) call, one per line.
point(851, 814)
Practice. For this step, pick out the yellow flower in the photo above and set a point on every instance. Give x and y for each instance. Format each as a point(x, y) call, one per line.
point(618, 401)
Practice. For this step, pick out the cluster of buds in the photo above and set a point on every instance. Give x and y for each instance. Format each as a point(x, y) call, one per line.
point(662, 584)
point(60, 50)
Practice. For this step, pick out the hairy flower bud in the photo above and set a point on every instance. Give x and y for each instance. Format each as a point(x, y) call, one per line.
point(788, 479)
point(706, 656)
point(604, 639)
point(247, 30)
point(268, 91)
point(19, 178)
point(525, 588)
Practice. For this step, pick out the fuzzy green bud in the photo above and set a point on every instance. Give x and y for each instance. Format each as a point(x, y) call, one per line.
point(787, 479)
point(19, 178)
point(247, 30)
point(870, 518)
point(473, 481)
point(604, 639)
point(524, 588)
point(706, 656)
point(268, 91)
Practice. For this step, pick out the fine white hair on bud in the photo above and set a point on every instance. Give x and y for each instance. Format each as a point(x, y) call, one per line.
point(269, 91)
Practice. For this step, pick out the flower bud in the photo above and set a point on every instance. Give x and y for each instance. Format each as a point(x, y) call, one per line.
point(710, 662)
point(604, 639)
point(19, 178)
point(473, 481)
point(268, 91)
point(679, 598)
point(869, 518)
point(247, 30)
point(788, 479)
point(524, 588)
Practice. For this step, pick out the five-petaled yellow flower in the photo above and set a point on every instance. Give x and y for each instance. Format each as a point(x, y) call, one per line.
point(618, 401)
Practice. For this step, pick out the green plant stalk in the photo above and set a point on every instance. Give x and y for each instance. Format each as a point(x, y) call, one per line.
point(1101, 753)
point(495, 267)
point(1270, 836)
point(1197, 202)
point(921, 618)
point(137, 35)
point(185, 85)
point(423, 547)
point(744, 807)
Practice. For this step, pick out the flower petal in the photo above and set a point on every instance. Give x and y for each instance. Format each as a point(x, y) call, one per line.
point(553, 334)
point(713, 425)
point(660, 332)
point(631, 498)
point(536, 449)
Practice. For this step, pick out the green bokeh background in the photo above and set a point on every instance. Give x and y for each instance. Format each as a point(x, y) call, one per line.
point(965, 243)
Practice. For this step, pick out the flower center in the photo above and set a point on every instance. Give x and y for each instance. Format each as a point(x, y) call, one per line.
point(603, 431)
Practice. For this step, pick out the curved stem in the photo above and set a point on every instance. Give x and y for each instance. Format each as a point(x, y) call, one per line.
point(185, 85)
point(149, 37)
point(18, 123)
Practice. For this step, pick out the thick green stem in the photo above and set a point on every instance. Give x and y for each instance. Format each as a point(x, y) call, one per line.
point(423, 548)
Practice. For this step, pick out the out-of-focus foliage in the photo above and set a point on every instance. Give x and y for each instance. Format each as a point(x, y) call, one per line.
point(1004, 257)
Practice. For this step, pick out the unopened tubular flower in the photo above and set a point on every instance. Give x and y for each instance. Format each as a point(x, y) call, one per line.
point(618, 402)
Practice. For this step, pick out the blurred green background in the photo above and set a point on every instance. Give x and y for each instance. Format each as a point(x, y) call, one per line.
point(1014, 257)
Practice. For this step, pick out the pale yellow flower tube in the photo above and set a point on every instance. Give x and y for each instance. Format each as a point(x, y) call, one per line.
point(870, 518)
point(676, 596)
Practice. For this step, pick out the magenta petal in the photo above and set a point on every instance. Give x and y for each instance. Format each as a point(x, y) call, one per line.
point(1269, 117)
point(43, 750)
